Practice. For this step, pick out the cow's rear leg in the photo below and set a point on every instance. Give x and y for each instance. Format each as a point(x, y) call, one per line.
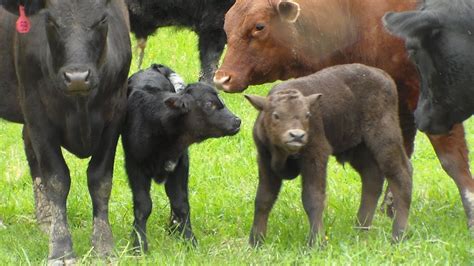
point(177, 191)
point(452, 153)
point(211, 45)
point(372, 185)
point(42, 205)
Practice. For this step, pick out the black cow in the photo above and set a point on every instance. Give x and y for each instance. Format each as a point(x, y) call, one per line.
point(159, 128)
point(439, 39)
point(205, 17)
point(65, 80)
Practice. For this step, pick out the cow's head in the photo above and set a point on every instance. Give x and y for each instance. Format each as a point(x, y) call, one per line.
point(441, 45)
point(256, 32)
point(286, 116)
point(76, 33)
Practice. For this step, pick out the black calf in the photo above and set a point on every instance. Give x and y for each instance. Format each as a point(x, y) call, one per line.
point(160, 126)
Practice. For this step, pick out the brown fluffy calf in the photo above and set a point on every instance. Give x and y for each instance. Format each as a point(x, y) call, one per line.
point(356, 120)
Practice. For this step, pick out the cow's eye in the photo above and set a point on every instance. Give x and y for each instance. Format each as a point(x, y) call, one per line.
point(101, 22)
point(308, 115)
point(211, 106)
point(260, 26)
point(275, 116)
point(411, 53)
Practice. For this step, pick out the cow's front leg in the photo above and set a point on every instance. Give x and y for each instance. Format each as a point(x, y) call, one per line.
point(42, 206)
point(267, 192)
point(211, 45)
point(453, 154)
point(176, 187)
point(99, 181)
point(57, 182)
point(313, 173)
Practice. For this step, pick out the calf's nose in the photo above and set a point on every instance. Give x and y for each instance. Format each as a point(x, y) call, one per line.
point(297, 134)
point(77, 80)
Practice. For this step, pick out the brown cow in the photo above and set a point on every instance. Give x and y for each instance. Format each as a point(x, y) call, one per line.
point(279, 39)
point(296, 132)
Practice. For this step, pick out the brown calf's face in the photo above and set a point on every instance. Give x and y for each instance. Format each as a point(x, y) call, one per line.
point(286, 117)
point(258, 33)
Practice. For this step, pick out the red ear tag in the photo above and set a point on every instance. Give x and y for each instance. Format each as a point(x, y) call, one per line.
point(23, 23)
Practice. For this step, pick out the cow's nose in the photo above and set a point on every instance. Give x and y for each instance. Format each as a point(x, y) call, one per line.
point(237, 122)
point(222, 80)
point(77, 81)
point(297, 134)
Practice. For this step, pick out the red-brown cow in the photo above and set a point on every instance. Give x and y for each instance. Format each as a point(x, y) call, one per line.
point(279, 39)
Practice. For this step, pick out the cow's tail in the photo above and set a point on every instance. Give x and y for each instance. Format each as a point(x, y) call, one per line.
point(175, 79)
point(141, 45)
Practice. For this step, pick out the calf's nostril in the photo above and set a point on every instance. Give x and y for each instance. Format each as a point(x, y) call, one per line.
point(297, 135)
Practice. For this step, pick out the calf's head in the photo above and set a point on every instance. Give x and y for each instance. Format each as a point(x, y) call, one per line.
point(76, 33)
point(204, 115)
point(439, 41)
point(286, 117)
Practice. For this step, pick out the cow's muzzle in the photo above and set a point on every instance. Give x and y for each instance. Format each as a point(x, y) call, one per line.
point(77, 82)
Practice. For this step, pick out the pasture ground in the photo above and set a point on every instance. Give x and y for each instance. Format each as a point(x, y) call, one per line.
point(223, 182)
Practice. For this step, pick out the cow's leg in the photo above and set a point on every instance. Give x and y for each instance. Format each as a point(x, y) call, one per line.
point(407, 124)
point(211, 45)
point(267, 192)
point(42, 206)
point(57, 182)
point(313, 173)
point(372, 185)
point(453, 153)
point(99, 181)
point(176, 187)
point(142, 204)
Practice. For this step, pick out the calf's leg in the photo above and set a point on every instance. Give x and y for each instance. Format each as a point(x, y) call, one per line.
point(42, 206)
point(267, 192)
point(452, 153)
point(313, 173)
point(176, 187)
point(372, 185)
point(211, 45)
point(142, 204)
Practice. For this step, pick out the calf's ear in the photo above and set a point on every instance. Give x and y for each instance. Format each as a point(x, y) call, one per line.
point(288, 10)
point(177, 103)
point(31, 6)
point(410, 23)
point(258, 102)
point(313, 98)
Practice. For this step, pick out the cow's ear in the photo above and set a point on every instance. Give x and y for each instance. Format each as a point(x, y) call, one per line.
point(178, 103)
point(31, 6)
point(411, 23)
point(258, 102)
point(289, 10)
point(313, 98)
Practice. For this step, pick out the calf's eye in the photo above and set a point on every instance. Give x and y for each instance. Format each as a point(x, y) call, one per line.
point(211, 105)
point(275, 116)
point(260, 26)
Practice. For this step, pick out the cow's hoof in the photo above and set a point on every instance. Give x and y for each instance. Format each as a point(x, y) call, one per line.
point(61, 262)
point(256, 240)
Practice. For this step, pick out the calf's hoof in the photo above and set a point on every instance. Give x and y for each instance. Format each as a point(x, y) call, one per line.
point(256, 240)
point(62, 262)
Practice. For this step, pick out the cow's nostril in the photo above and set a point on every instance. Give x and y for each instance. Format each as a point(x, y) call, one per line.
point(237, 122)
point(297, 134)
point(77, 81)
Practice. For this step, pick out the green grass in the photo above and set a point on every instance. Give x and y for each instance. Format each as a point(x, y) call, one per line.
point(222, 188)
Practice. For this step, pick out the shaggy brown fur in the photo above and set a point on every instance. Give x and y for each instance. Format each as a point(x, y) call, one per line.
point(349, 111)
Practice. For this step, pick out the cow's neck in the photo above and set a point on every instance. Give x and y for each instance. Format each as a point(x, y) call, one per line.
point(84, 122)
point(324, 30)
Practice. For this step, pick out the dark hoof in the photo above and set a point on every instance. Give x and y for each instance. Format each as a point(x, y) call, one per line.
point(318, 242)
point(256, 240)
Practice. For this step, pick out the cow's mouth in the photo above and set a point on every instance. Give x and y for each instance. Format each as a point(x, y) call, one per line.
point(294, 145)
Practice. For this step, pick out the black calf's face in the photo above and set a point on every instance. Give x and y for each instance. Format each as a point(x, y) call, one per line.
point(206, 114)
point(286, 117)
point(77, 36)
point(442, 48)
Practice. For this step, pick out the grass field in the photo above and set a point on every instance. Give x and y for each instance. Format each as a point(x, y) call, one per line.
point(222, 188)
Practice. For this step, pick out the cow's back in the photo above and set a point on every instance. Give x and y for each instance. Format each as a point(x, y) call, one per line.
point(9, 104)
